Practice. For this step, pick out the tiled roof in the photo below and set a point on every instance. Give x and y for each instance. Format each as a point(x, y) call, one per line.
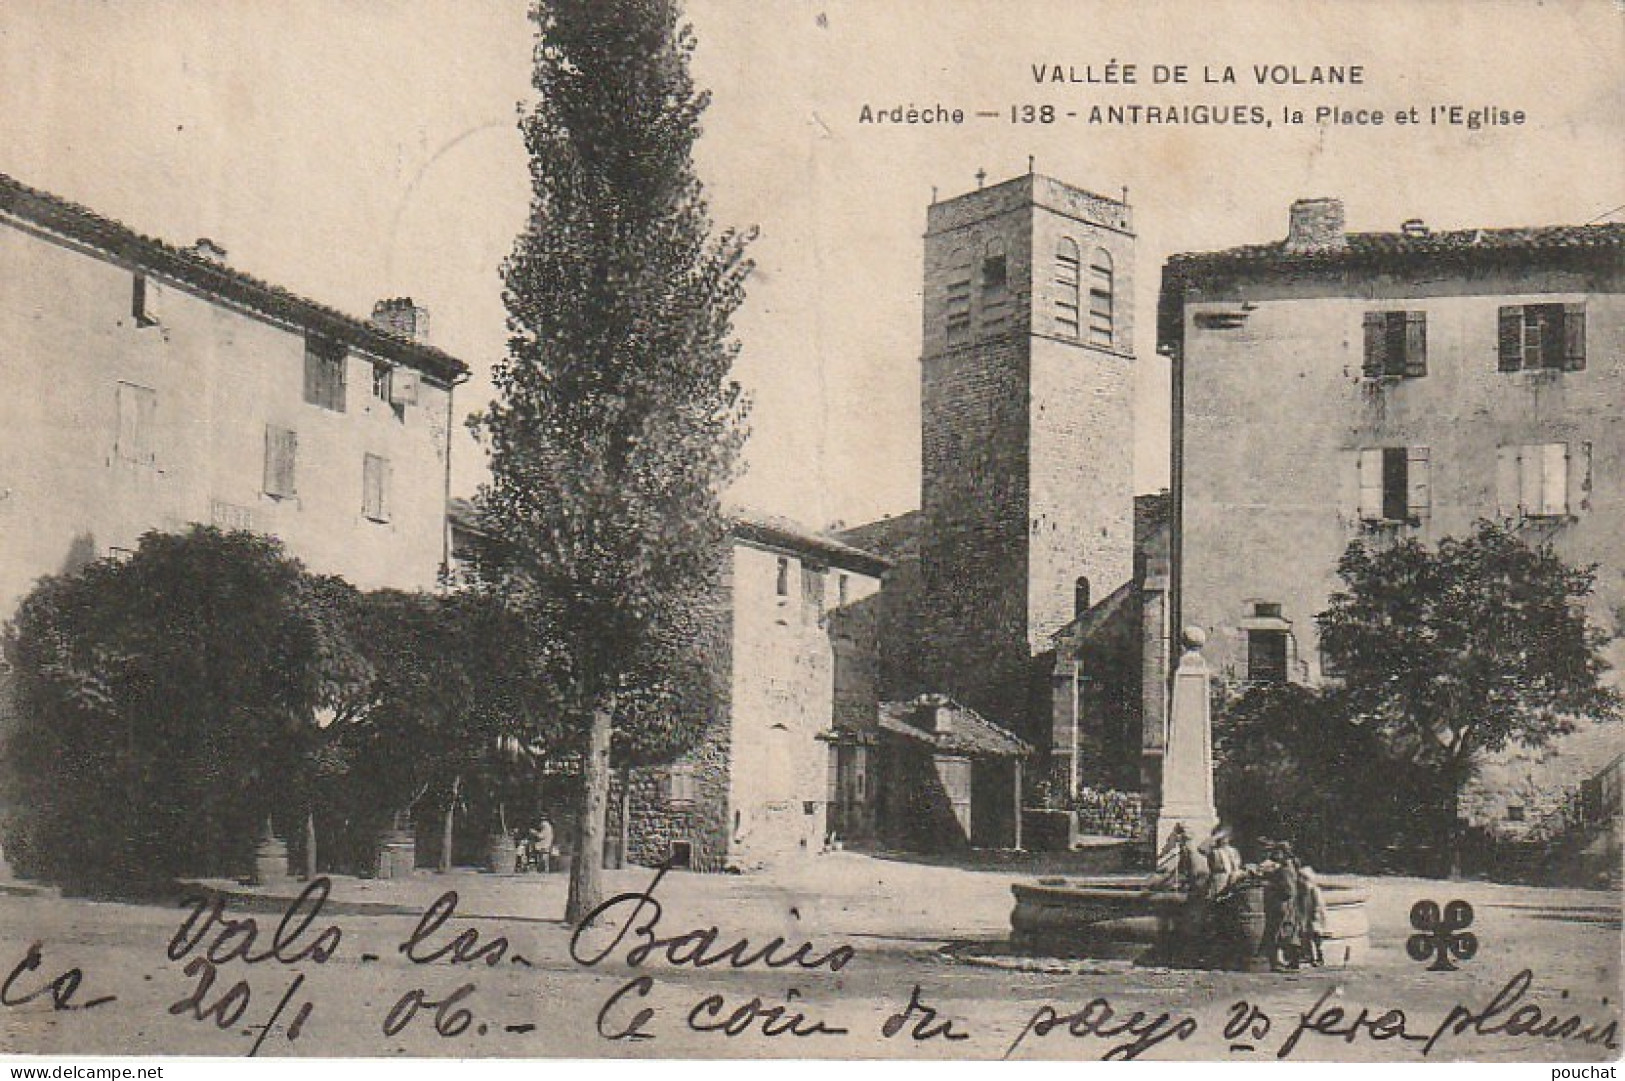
point(122, 244)
point(1468, 244)
point(895, 537)
point(770, 530)
point(776, 531)
point(968, 732)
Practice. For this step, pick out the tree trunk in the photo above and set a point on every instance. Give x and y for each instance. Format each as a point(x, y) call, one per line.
point(587, 864)
point(626, 812)
point(310, 845)
point(446, 834)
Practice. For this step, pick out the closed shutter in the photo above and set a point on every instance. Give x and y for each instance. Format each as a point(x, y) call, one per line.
point(1376, 345)
point(1418, 493)
point(1579, 491)
point(1529, 480)
point(1510, 338)
point(281, 457)
point(1371, 484)
point(1574, 337)
point(1416, 344)
point(1506, 483)
point(1554, 478)
point(375, 487)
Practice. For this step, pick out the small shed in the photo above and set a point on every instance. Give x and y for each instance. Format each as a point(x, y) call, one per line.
point(950, 778)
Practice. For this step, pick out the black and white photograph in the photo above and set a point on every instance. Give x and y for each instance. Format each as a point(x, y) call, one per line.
point(919, 530)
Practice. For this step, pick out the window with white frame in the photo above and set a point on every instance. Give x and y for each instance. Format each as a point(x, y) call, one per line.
point(1539, 480)
point(1394, 484)
point(137, 414)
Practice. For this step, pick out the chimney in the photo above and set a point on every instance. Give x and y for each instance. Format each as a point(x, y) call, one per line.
point(1414, 227)
point(1316, 225)
point(400, 316)
point(209, 250)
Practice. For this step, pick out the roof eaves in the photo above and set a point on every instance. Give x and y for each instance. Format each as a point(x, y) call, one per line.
point(78, 223)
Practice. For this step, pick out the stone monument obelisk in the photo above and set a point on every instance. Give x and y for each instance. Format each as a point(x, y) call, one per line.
point(1187, 764)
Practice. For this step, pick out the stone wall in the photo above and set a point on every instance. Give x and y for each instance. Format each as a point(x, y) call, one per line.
point(1277, 410)
point(1027, 439)
point(216, 376)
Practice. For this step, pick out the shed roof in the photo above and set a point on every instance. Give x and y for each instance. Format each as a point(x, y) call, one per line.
point(966, 731)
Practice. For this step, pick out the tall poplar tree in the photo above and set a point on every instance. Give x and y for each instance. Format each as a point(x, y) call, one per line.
point(616, 423)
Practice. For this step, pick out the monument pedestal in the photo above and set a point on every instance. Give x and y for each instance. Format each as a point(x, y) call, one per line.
point(1187, 764)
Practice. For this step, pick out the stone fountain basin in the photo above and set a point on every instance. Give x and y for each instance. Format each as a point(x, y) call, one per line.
point(1120, 917)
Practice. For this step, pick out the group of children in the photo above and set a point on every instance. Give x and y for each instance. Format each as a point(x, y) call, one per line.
point(1294, 910)
point(1210, 872)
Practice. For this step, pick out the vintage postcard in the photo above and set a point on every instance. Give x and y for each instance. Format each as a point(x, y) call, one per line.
point(966, 530)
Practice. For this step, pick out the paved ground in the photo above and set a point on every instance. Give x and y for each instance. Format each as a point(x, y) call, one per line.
point(896, 918)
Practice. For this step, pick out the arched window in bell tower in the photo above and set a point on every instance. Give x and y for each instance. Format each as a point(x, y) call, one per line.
point(1068, 275)
point(995, 283)
point(1100, 298)
point(957, 310)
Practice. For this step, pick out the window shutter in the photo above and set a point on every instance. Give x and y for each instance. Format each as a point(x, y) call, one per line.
point(124, 442)
point(1530, 499)
point(281, 454)
point(1554, 477)
point(375, 487)
point(1579, 491)
point(1419, 492)
point(1506, 482)
point(1510, 338)
point(313, 374)
point(1376, 343)
point(1416, 344)
point(1371, 484)
point(1574, 337)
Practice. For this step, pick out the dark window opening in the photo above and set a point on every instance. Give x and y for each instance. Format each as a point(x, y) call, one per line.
point(1267, 610)
point(1266, 656)
point(995, 274)
point(783, 586)
point(1080, 597)
point(682, 855)
point(324, 374)
point(1514, 812)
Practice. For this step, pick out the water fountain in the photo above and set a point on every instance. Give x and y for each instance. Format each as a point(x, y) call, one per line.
point(1154, 918)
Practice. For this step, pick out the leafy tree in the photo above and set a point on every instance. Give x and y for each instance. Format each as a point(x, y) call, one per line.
point(616, 423)
point(1458, 651)
point(1290, 765)
point(162, 705)
point(460, 694)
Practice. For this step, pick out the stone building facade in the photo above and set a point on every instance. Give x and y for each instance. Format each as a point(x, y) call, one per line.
point(153, 386)
point(1027, 425)
point(794, 656)
point(1336, 385)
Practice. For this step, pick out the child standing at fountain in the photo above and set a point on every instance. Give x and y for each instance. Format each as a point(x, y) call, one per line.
point(1312, 917)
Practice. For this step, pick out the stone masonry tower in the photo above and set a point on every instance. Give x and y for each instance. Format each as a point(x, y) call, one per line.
point(1027, 457)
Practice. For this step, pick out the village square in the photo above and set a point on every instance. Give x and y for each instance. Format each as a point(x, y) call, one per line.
point(313, 746)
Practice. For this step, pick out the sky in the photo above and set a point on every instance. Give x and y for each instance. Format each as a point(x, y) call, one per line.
point(369, 148)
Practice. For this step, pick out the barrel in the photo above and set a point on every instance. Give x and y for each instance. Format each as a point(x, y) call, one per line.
point(1247, 919)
